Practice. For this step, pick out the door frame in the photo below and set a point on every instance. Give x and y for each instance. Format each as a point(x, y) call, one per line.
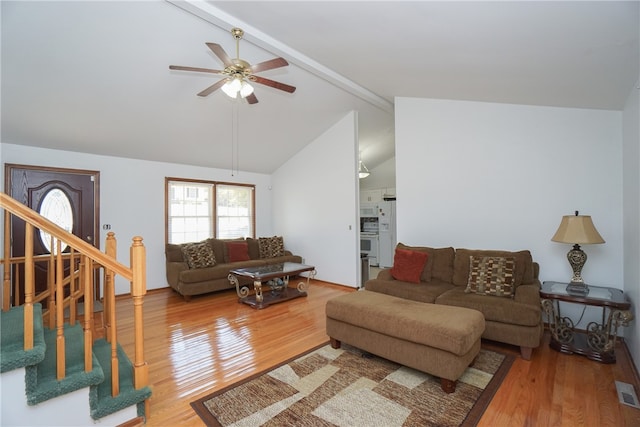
point(9, 168)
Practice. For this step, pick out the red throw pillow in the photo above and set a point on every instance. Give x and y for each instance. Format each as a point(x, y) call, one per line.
point(238, 251)
point(408, 265)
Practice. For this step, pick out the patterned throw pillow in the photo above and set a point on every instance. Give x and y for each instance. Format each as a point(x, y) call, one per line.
point(491, 276)
point(198, 255)
point(271, 247)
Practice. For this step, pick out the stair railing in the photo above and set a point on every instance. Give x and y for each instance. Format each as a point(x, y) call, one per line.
point(65, 291)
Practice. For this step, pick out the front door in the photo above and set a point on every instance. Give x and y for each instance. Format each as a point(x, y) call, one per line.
point(67, 197)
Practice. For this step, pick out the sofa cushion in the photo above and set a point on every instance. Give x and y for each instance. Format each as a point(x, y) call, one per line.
point(198, 255)
point(439, 263)
point(408, 265)
point(523, 268)
point(271, 247)
point(491, 276)
point(237, 251)
point(422, 292)
point(219, 249)
point(254, 248)
point(502, 310)
point(217, 272)
point(173, 253)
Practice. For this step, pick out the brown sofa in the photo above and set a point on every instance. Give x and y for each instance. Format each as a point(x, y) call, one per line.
point(515, 320)
point(188, 280)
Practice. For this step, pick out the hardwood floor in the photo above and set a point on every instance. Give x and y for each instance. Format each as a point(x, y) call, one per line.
point(194, 348)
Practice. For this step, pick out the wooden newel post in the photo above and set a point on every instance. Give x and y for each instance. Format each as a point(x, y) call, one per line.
point(138, 290)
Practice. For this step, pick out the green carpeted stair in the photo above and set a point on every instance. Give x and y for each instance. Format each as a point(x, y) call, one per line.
point(12, 353)
point(101, 402)
point(40, 366)
point(41, 378)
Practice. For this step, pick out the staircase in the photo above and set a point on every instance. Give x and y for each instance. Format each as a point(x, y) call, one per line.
point(54, 369)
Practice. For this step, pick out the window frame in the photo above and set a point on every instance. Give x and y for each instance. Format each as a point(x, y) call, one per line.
point(214, 210)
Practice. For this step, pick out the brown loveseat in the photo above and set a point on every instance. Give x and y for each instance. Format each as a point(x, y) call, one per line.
point(512, 319)
point(203, 267)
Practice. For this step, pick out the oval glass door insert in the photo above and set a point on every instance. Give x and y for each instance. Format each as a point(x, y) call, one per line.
point(56, 207)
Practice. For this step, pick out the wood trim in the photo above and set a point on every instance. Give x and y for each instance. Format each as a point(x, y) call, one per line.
point(168, 179)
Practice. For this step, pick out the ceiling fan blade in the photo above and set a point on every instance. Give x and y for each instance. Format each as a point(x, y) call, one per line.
point(212, 88)
point(251, 99)
point(220, 53)
point(274, 84)
point(269, 65)
point(201, 70)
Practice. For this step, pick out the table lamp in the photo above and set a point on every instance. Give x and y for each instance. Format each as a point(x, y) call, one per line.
point(577, 230)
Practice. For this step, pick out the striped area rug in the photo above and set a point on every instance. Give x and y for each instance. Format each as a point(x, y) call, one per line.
point(348, 387)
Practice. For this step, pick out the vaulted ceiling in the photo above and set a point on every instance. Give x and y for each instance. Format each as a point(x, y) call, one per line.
point(94, 76)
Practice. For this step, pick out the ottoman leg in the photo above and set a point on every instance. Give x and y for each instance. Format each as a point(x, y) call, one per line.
point(448, 386)
point(334, 342)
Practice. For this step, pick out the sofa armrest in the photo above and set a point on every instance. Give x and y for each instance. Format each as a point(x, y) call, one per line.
point(385, 274)
point(528, 294)
point(173, 271)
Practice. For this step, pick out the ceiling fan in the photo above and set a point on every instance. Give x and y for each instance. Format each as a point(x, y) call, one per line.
point(238, 73)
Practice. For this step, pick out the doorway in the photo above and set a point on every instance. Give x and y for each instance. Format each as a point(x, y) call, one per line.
point(67, 197)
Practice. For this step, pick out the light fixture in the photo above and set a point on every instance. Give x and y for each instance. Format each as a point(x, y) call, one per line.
point(577, 229)
point(237, 85)
point(246, 89)
point(363, 172)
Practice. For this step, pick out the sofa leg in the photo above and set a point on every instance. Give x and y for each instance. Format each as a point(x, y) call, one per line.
point(525, 352)
point(187, 298)
point(448, 386)
point(334, 342)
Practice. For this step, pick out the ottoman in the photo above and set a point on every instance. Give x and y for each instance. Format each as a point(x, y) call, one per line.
point(437, 339)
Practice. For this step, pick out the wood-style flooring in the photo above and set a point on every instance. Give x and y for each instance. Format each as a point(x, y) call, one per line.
point(194, 348)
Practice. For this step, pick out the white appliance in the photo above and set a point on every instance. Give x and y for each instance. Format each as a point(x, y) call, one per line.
point(369, 225)
point(368, 210)
point(386, 232)
point(369, 247)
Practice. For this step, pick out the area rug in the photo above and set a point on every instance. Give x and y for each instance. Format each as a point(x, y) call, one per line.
point(349, 387)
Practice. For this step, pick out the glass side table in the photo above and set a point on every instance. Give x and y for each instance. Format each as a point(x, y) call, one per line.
point(599, 340)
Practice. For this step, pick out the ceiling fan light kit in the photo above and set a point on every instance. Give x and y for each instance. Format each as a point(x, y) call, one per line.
point(236, 86)
point(238, 73)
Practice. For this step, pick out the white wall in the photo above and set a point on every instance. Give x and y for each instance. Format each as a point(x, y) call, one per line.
point(500, 176)
point(315, 203)
point(631, 214)
point(382, 176)
point(132, 198)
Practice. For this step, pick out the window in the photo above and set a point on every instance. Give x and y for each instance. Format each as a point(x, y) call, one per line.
point(56, 207)
point(234, 207)
point(197, 210)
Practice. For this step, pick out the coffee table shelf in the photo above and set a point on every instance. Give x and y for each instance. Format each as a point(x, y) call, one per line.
point(276, 278)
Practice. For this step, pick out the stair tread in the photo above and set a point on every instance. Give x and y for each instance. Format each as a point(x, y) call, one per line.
point(102, 403)
point(40, 365)
point(41, 380)
point(12, 353)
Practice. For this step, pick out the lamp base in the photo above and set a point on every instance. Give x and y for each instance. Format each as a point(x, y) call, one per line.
point(574, 288)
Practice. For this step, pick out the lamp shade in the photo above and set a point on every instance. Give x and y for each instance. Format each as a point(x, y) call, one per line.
point(363, 172)
point(577, 229)
point(246, 89)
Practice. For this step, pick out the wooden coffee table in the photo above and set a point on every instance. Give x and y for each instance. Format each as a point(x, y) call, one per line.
point(276, 278)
